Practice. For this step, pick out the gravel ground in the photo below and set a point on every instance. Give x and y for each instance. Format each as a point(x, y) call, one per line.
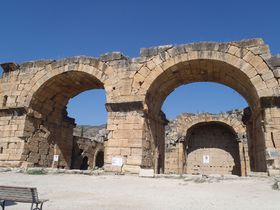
point(83, 192)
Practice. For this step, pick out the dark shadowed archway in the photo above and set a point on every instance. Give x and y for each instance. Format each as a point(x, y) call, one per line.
point(99, 160)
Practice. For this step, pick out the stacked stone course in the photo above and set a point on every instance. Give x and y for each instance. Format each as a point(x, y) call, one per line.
point(135, 91)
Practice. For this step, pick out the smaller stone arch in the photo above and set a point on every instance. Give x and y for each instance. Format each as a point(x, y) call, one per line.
point(180, 130)
point(232, 120)
point(98, 160)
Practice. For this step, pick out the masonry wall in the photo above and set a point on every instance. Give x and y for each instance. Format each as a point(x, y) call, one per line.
point(272, 128)
point(244, 158)
point(46, 139)
point(46, 86)
point(11, 141)
point(85, 147)
point(125, 133)
point(173, 165)
point(217, 143)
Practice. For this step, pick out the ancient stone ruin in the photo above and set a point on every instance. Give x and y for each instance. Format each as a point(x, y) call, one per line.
point(36, 131)
point(207, 144)
point(88, 147)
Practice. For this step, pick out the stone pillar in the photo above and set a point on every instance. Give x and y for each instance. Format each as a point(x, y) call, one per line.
point(243, 152)
point(123, 149)
point(246, 158)
point(12, 136)
point(271, 129)
point(272, 139)
point(154, 142)
point(181, 158)
point(256, 139)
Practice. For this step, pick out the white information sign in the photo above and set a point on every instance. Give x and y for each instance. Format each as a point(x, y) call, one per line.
point(55, 158)
point(117, 161)
point(206, 159)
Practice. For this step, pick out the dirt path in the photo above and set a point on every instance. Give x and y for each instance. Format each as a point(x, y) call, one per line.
point(130, 192)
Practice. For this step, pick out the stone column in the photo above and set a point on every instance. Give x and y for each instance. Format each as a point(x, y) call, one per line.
point(244, 154)
point(256, 139)
point(123, 149)
point(243, 162)
point(181, 157)
point(154, 142)
point(271, 127)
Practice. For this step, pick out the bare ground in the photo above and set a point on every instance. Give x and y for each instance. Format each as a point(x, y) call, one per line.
point(109, 192)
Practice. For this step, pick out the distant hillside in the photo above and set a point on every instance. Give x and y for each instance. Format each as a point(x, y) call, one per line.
point(96, 133)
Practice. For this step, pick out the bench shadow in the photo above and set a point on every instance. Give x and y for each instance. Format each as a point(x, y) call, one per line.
point(10, 203)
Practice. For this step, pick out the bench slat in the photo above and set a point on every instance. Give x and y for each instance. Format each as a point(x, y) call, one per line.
point(20, 194)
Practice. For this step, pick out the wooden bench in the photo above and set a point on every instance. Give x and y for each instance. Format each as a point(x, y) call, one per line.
point(20, 194)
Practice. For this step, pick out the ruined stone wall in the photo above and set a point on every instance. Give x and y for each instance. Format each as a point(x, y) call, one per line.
point(85, 147)
point(135, 90)
point(272, 130)
point(11, 136)
point(88, 141)
point(173, 157)
point(125, 134)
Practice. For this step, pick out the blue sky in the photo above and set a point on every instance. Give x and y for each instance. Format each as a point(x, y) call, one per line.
point(54, 29)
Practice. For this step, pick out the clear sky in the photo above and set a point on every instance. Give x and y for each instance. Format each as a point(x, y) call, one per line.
point(54, 29)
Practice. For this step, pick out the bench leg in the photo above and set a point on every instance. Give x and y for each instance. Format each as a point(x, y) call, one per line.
point(2, 204)
point(41, 207)
point(37, 206)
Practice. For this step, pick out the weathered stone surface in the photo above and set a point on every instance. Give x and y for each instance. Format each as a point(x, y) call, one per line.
point(112, 56)
point(7, 67)
point(33, 97)
point(274, 61)
point(124, 107)
point(149, 52)
point(147, 173)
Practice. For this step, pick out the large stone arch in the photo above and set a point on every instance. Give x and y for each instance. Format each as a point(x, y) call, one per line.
point(46, 97)
point(90, 66)
point(236, 65)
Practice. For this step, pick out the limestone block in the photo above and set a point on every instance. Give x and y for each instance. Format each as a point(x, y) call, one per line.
point(276, 73)
point(134, 160)
point(131, 169)
point(146, 173)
